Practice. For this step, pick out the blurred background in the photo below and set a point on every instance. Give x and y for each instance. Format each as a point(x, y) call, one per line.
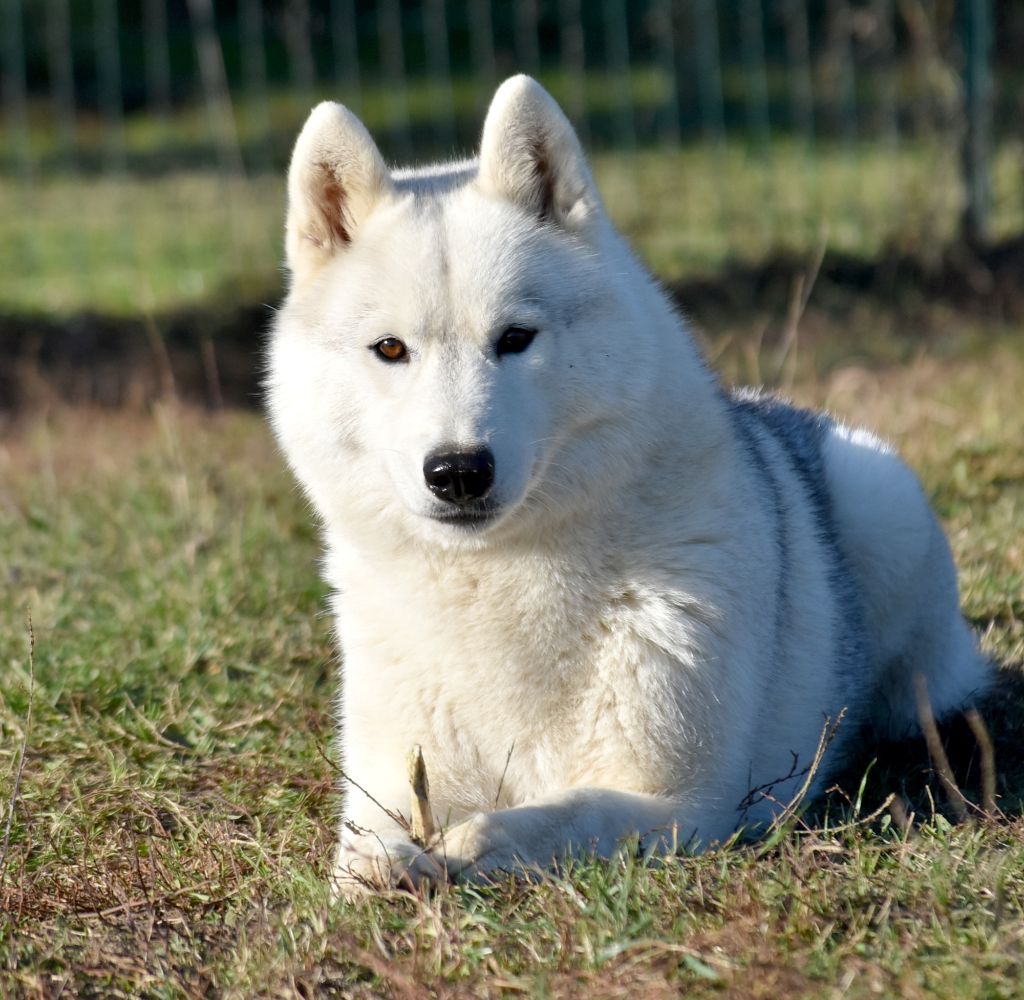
point(875, 143)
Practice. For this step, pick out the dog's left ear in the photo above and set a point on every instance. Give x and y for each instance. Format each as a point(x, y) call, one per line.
point(336, 178)
point(529, 154)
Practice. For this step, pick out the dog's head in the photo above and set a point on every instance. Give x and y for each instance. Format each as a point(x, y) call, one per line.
point(461, 344)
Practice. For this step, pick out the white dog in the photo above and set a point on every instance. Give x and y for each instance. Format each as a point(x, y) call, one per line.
point(608, 596)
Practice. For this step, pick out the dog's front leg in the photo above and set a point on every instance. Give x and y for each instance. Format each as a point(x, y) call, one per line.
point(367, 862)
point(376, 848)
point(579, 822)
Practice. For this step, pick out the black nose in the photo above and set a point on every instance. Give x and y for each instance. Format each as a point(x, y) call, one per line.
point(460, 476)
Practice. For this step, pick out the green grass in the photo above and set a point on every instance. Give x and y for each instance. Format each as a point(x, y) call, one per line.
point(129, 246)
point(172, 829)
point(172, 230)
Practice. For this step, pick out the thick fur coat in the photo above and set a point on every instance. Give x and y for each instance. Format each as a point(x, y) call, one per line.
point(608, 597)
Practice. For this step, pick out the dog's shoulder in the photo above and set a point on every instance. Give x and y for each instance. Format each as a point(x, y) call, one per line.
point(799, 432)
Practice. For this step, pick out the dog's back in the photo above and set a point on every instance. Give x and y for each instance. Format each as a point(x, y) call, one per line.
point(890, 564)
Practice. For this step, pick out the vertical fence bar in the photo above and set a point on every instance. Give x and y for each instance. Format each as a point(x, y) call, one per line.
point(392, 52)
point(974, 23)
point(13, 91)
point(844, 96)
point(216, 96)
point(922, 52)
point(712, 107)
point(709, 70)
point(665, 56)
point(801, 100)
point(158, 62)
point(888, 107)
point(527, 43)
point(616, 35)
point(755, 73)
point(108, 67)
point(12, 71)
point(124, 260)
point(296, 26)
point(345, 47)
point(254, 81)
point(844, 119)
point(481, 45)
point(220, 117)
point(798, 55)
point(435, 19)
point(571, 45)
point(60, 62)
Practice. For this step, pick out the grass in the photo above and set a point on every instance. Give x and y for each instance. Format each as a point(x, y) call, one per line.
point(172, 827)
point(132, 245)
point(169, 229)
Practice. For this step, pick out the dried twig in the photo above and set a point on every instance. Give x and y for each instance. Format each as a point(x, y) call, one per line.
point(165, 370)
point(808, 773)
point(799, 297)
point(902, 816)
point(940, 761)
point(828, 734)
point(988, 762)
point(764, 790)
point(197, 888)
point(395, 817)
point(504, 771)
point(212, 370)
point(860, 822)
point(422, 832)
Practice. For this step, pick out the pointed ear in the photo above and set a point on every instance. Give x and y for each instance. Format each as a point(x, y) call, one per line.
point(529, 154)
point(336, 177)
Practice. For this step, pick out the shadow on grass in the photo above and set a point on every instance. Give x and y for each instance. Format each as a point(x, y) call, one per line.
point(905, 767)
point(212, 354)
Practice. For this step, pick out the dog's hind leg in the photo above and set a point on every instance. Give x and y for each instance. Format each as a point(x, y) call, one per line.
point(905, 573)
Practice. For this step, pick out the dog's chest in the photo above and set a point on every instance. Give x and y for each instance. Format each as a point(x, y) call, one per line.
point(517, 680)
point(479, 626)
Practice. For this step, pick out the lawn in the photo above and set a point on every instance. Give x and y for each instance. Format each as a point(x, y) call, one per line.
point(167, 794)
point(165, 221)
point(171, 821)
point(131, 245)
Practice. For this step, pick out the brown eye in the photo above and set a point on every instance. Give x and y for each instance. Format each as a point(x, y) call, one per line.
point(390, 349)
point(514, 340)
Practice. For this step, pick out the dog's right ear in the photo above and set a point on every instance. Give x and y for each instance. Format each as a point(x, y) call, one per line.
point(529, 154)
point(336, 177)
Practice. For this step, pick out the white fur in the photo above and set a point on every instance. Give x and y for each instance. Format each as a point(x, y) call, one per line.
point(620, 650)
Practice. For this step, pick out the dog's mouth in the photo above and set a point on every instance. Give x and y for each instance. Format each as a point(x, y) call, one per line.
point(472, 517)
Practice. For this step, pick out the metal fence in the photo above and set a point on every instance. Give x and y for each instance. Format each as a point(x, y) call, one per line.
point(143, 141)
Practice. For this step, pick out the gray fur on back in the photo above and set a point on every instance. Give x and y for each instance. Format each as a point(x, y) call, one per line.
point(800, 436)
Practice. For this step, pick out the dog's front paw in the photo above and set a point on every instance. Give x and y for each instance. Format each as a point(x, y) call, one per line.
point(479, 846)
point(366, 864)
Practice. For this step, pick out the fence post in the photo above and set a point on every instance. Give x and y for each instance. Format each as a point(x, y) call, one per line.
point(13, 89)
point(974, 24)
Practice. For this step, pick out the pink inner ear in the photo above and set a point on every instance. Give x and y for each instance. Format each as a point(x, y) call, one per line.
point(544, 178)
point(332, 207)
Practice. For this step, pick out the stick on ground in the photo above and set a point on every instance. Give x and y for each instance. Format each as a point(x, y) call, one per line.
point(422, 820)
point(940, 762)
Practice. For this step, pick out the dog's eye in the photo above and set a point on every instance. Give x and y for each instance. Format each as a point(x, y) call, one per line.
point(514, 340)
point(390, 349)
